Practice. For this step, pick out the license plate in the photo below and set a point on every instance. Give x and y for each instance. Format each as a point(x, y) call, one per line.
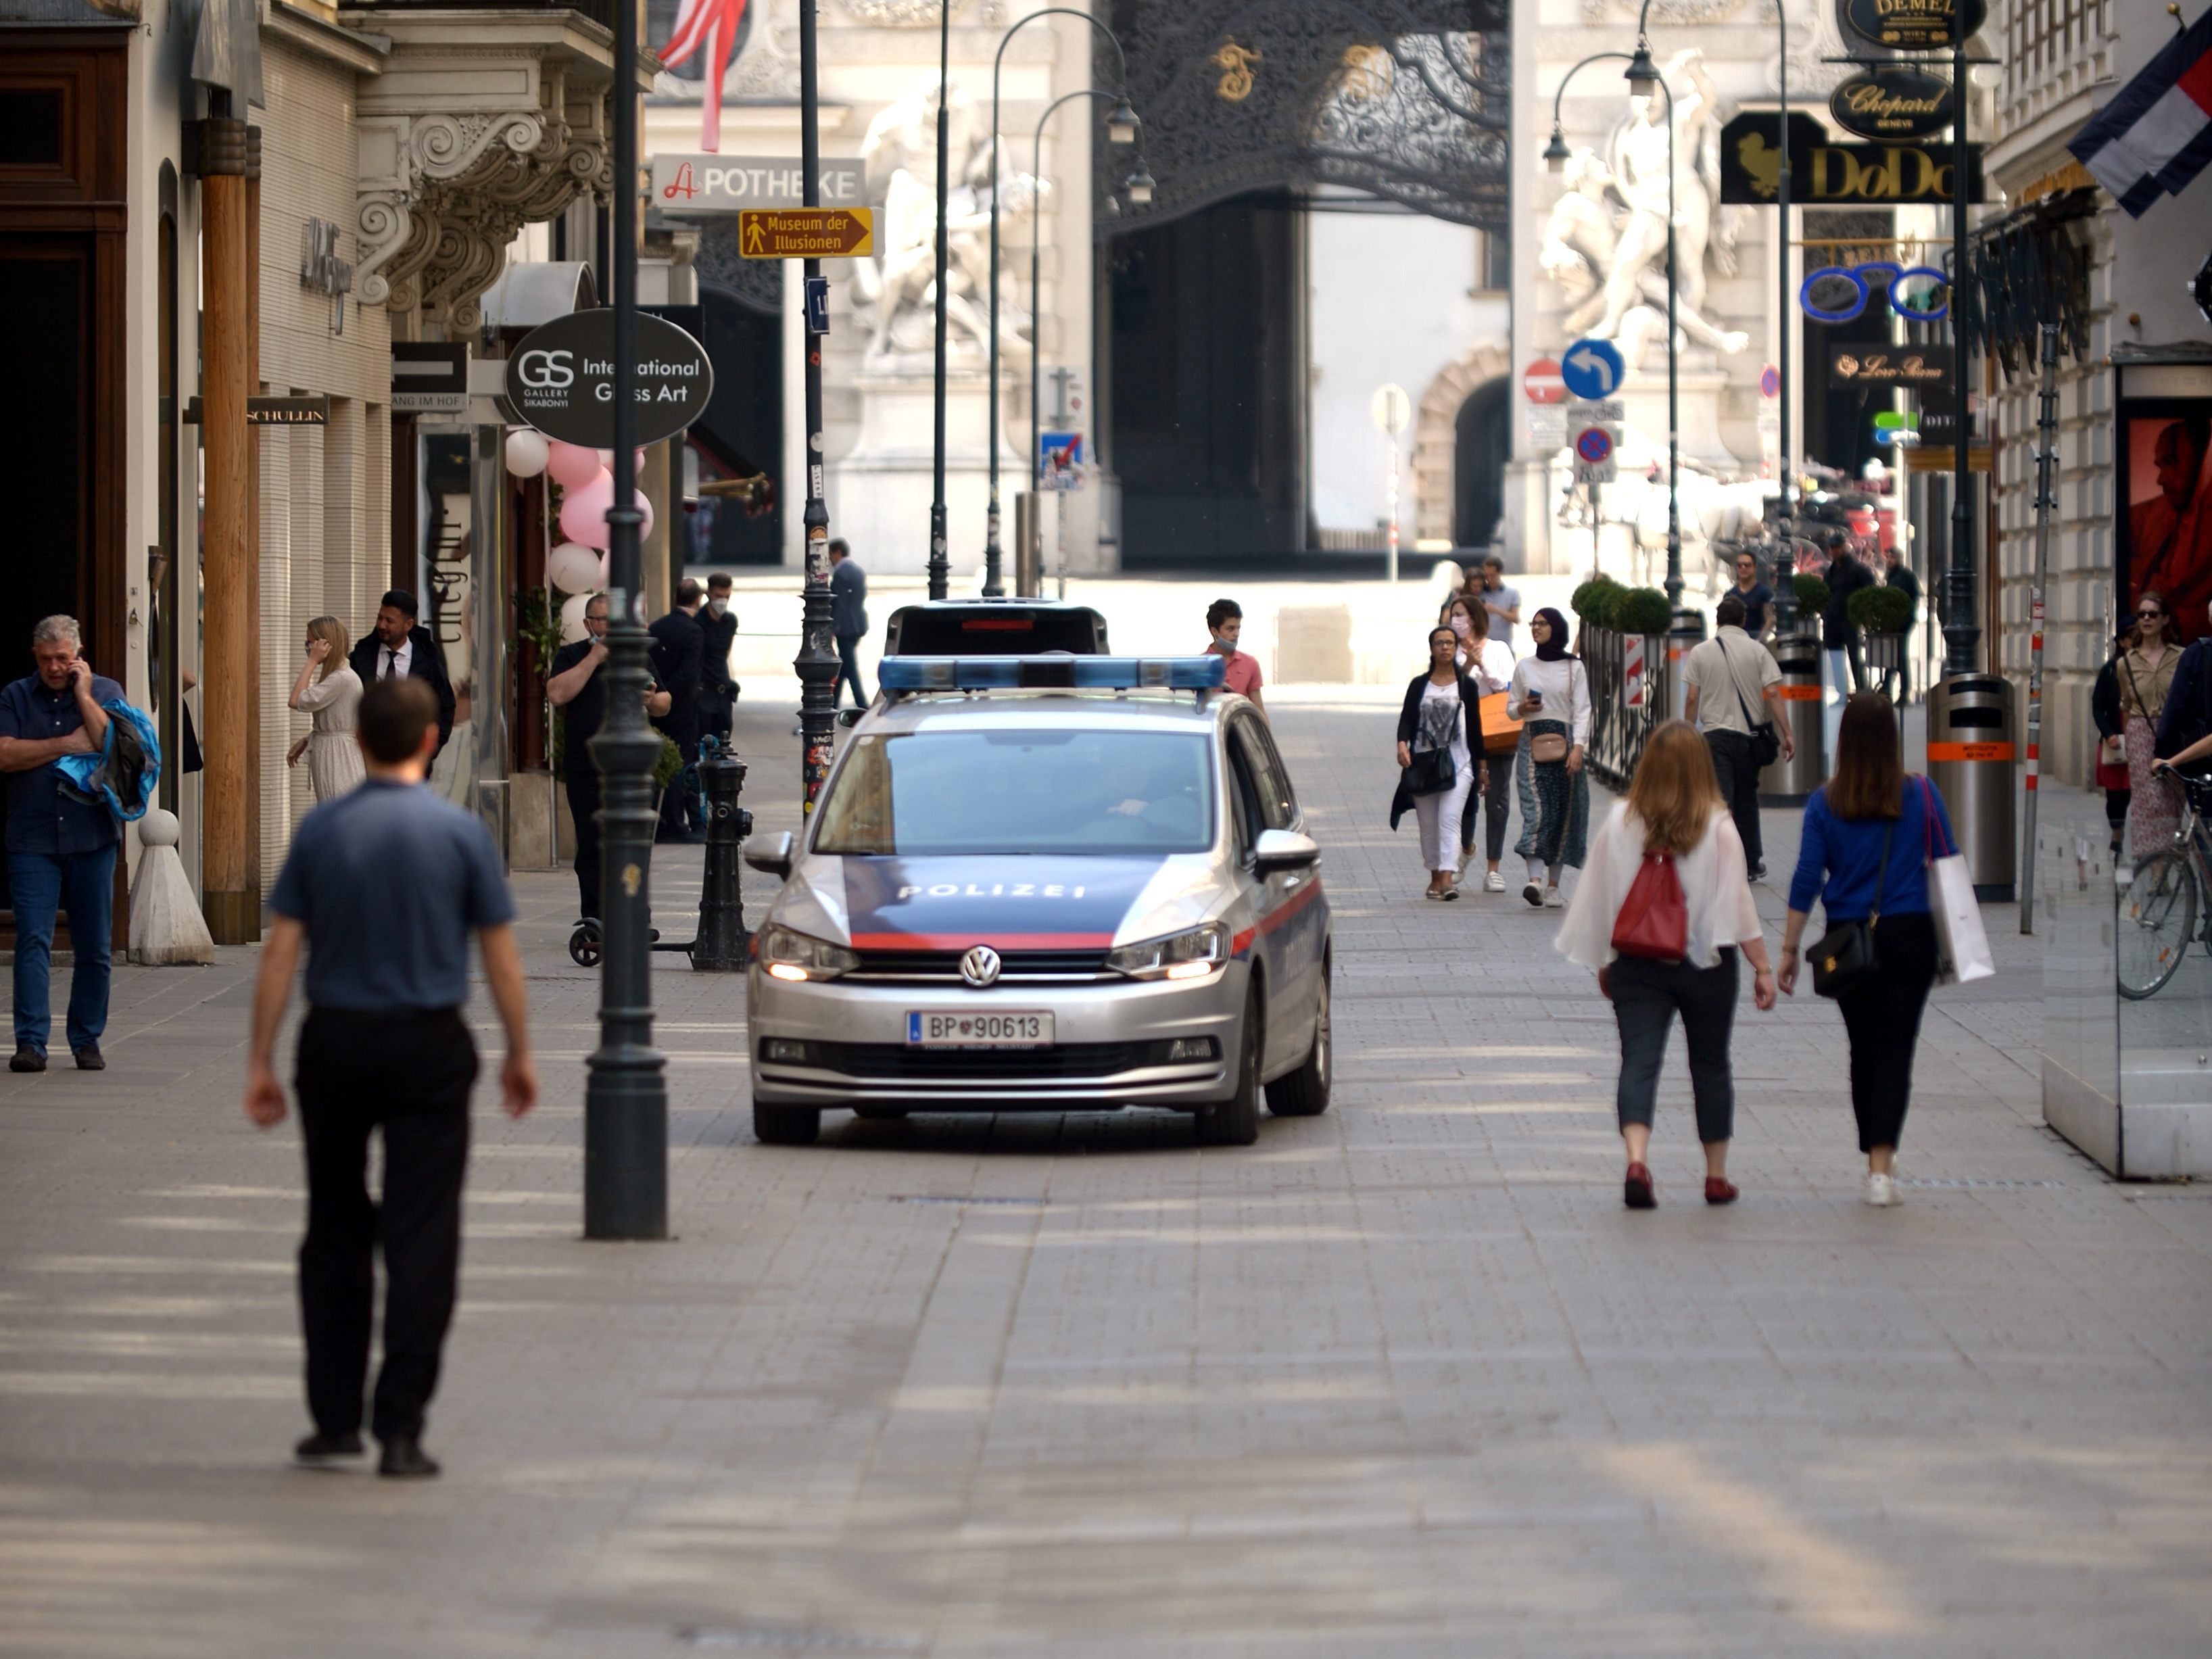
point(926, 1029)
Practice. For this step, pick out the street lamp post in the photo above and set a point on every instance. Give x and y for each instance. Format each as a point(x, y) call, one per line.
point(1785, 558)
point(1961, 637)
point(1139, 184)
point(1120, 128)
point(625, 1093)
point(1642, 76)
point(816, 662)
point(939, 561)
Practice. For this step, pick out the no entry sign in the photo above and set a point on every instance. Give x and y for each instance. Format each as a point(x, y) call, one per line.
point(1542, 382)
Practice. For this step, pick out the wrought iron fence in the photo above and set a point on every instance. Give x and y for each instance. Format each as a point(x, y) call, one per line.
point(1619, 730)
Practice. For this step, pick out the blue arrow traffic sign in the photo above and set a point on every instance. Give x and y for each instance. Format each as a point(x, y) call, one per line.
point(1591, 368)
point(1594, 445)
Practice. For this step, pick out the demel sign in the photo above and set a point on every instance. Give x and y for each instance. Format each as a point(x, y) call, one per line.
point(561, 378)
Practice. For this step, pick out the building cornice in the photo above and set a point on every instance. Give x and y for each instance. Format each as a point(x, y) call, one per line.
point(311, 32)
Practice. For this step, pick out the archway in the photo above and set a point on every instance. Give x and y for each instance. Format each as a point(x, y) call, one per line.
point(1437, 441)
point(1483, 443)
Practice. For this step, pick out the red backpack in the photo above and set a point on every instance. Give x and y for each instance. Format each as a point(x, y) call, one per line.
point(1654, 919)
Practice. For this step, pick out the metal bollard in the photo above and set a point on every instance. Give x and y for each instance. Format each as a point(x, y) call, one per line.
point(1790, 782)
point(722, 945)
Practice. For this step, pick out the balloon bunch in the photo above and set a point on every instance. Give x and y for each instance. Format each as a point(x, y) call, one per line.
point(578, 566)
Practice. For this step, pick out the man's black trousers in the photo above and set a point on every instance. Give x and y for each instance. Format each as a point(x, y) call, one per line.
point(408, 1074)
point(582, 783)
point(1739, 781)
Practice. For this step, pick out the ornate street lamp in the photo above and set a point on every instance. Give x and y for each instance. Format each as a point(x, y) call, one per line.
point(1120, 128)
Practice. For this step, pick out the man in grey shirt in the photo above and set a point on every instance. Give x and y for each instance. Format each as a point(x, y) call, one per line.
point(384, 887)
point(1503, 602)
point(1729, 684)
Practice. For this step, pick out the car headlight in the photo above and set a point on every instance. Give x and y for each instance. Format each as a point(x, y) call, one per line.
point(787, 955)
point(1192, 955)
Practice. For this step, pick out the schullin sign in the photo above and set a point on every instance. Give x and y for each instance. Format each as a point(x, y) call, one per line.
point(560, 379)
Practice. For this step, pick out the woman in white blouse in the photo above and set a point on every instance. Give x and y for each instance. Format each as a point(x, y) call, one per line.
point(1674, 811)
point(1489, 663)
point(1550, 695)
point(333, 697)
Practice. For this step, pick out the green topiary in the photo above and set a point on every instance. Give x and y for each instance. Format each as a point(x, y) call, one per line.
point(670, 763)
point(1812, 596)
point(1642, 611)
point(1596, 601)
point(1880, 609)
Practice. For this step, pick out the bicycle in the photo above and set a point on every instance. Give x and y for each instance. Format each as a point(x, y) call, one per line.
point(2158, 914)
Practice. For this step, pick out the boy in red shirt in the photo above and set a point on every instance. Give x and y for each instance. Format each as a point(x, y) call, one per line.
point(1224, 620)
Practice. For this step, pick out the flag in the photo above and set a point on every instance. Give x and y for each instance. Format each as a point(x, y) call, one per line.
point(2155, 135)
point(712, 24)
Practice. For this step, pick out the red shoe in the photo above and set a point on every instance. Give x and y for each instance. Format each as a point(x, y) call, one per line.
point(1719, 1189)
point(1635, 1191)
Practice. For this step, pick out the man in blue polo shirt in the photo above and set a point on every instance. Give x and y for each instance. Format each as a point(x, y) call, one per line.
point(384, 887)
point(61, 851)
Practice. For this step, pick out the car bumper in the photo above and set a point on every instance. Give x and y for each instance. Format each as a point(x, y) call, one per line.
point(1108, 1043)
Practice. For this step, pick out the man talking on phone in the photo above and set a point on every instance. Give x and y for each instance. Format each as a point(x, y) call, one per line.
point(61, 850)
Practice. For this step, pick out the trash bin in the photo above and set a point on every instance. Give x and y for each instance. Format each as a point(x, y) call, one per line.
point(1687, 633)
point(1029, 547)
point(1973, 757)
point(1790, 780)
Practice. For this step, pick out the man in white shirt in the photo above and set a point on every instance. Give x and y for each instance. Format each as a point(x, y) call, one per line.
point(397, 645)
point(1730, 683)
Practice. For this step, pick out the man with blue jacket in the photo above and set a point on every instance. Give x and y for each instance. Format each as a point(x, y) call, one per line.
point(61, 848)
point(848, 619)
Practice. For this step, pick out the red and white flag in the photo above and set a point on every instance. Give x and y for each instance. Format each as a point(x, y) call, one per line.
point(712, 24)
point(2155, 135)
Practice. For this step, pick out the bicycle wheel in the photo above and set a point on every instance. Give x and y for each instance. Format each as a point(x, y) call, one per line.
point(2158, 918)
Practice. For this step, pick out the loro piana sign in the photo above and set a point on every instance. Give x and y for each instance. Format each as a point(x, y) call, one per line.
point(561, 378)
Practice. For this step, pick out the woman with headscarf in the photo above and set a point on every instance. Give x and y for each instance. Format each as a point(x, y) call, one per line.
point(1550, 695)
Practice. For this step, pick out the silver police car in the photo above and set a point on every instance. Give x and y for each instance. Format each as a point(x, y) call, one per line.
point(1046, 883)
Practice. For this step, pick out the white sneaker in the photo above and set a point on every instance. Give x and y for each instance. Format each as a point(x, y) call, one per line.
point(1493, 883)
point(1551, 899)
point(1881, 1191)
point(1534, 893)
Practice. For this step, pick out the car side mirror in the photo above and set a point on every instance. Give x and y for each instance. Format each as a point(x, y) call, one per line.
point(1285, 849)
point(774, 859)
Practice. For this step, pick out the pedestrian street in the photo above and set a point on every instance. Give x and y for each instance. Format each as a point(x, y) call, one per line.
point(1401, 1380)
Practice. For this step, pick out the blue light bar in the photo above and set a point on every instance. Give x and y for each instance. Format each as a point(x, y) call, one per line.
point(1057, 670)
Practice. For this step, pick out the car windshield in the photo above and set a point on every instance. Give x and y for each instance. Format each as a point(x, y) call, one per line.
point(1035, 790)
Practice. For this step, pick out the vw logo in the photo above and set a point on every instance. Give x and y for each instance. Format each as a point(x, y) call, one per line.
point(980, 966)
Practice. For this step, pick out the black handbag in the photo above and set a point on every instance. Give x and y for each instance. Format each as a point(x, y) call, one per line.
point(1433, 771)
point(1844, 959)
point(1765, 741)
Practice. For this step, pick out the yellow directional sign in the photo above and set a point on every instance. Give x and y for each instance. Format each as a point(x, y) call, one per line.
point(806, 233)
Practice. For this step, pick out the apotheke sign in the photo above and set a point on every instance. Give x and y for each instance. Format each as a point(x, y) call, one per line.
point(560, 379)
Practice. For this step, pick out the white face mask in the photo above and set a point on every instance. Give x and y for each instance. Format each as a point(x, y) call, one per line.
point(1224, 644)
point(717, 606)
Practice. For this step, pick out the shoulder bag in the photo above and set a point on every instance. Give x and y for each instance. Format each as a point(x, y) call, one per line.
point(1843, 957)
point(1550, 748)
point(1432, 770)
point(1962, 946)
point(1654, 922)
point(1765, 741)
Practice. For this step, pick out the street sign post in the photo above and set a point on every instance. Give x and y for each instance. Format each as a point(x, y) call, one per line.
point(1059, 461)
point(561, 380)
point(1769, 382)
point(817, 305)
point(695, 185)
point(806, 233)
point(1392, 411)
point(1592, 369)
point(1541, 381)
point(1596, 412)
point(430, 377)
point(1595, 460)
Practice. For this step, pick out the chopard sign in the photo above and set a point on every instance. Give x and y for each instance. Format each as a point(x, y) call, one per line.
point(1890, 103)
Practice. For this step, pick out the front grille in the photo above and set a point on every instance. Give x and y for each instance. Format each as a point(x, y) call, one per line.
point(1067, 1059)
point(943, 966)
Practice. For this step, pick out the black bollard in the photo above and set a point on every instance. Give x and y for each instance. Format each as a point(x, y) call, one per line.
point(722, 946)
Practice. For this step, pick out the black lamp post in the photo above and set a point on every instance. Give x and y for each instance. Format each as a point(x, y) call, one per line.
point(816, 662)
point(1962, 637)
point(625, 1092)
point(1120, 128)
point(940, 562)
point(1643, 76)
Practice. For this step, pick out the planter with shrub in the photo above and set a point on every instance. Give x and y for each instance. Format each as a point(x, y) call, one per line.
point(1882, 615)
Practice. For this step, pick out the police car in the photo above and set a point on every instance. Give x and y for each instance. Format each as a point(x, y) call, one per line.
point(1056, 883)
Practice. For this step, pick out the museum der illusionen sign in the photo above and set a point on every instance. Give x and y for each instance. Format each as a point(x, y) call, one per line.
point(1822, 174)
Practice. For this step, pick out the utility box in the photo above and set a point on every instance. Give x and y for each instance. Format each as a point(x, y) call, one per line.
point(1794, 777)
point(1973, 749)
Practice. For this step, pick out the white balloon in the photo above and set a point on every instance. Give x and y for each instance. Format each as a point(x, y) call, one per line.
point(606, 570)
point(527, 451)
point(573, 568)
point(572, 619)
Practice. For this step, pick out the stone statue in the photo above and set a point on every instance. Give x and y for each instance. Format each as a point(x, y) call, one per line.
point(900, 154)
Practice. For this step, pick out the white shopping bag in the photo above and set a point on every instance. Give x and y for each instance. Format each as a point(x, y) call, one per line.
point(1962, 946)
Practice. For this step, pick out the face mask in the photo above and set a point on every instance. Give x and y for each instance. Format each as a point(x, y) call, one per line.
point(717, 606)
point(1224, 644)
point(1462, 627)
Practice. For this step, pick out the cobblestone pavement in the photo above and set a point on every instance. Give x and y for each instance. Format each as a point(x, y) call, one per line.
point(1404, 1380)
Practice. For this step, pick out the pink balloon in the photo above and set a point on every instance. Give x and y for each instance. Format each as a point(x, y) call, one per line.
point(584, 508)
point(571, 466)
point(584, 512)
point(637, 461)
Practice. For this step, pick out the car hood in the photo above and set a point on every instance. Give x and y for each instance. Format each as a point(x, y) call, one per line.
point(1023, 903)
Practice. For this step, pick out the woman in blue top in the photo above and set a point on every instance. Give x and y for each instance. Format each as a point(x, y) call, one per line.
point(1870, 805)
